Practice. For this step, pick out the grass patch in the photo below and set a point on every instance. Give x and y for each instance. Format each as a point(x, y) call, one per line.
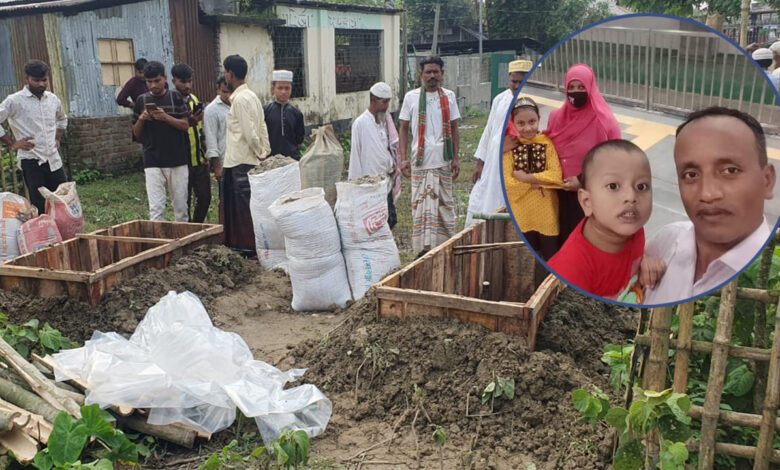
point(112, 200)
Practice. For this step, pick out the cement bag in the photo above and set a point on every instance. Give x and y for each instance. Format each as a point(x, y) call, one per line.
point(64, 207)
point(313, 248)
point(11, 205)
point(38, 233)
point(367, 242)
point(323, 163)
point(272, 178)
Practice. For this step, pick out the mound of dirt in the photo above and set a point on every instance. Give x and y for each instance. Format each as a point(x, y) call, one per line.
point(207, 272)
point(436, 369)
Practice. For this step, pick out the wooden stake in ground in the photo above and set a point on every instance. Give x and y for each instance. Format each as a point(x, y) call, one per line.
point(44, 387)
point(767, 433)
point(682, 357)
point(655, 370)
point(717, 377)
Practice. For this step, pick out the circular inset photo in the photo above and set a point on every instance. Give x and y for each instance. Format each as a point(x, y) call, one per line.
point(639, 159)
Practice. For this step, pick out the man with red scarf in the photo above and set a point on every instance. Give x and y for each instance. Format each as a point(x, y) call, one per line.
point(433, 164)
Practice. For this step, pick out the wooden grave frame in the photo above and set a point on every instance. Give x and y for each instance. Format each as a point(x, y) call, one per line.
point(483, 275)
point(86, 266)
point(654, 377)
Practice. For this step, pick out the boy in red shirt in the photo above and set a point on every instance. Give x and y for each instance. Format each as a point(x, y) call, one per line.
point(604, 254)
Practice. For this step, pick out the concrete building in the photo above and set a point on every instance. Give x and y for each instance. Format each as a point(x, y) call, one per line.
point(337, 52)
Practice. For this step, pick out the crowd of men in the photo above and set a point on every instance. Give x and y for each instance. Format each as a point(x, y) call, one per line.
point(185, 141)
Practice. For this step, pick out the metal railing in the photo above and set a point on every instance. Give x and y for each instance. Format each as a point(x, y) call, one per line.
point(665, 70)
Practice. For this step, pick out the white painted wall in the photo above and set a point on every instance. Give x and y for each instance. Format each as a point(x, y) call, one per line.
point(322, 104)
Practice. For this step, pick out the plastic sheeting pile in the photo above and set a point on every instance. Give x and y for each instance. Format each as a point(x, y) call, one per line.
point(185, 370)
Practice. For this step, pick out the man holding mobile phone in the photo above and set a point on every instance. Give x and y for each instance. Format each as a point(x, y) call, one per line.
point(38, 124)
point(199, 183)
point(161, 122)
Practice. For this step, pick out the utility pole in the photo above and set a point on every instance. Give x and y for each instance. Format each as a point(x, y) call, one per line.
point(480, 30)
point(404, 58)
point(435, 44)
point(743, 30)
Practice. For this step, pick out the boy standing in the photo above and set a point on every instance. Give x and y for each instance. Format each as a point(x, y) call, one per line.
point(38, 124)
point(603, 254)
point(134, 87)
point(160, 122)
point(284, 121)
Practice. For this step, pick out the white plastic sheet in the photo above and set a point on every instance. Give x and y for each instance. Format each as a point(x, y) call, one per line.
point(186, 370)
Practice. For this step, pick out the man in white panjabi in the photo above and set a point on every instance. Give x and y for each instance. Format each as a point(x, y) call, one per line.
point(487, 195)
point(375, 143)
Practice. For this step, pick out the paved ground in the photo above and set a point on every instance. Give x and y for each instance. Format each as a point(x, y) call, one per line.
point(654, 133)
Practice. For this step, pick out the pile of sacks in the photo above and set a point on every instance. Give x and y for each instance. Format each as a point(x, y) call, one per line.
point(23, 231)
point(331, 259)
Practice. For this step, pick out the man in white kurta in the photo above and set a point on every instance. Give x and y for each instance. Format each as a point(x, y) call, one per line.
point(370, 153)
point(487, 195)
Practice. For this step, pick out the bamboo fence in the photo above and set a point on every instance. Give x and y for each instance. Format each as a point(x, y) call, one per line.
point(659, 340)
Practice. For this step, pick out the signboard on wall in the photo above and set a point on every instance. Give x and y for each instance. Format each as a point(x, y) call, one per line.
point(317, 18)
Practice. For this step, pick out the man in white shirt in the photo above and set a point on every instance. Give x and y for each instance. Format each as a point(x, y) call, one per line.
point(433, 164)
point(214, 131)
point(38, 124)
point(370, 153)
point(487, 195)
point(724, 178)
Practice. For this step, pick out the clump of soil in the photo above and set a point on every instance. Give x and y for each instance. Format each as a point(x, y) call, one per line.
point(207, 272)
point(368, 179)
point(388, 370)
point(271, 163)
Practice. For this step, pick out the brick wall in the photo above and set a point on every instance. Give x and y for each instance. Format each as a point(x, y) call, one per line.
point(103, 144)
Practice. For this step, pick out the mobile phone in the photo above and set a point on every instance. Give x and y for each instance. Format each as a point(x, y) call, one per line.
point(197, 108)
point(150, 107)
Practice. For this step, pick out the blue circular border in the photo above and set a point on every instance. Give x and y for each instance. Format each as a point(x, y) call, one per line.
point(501, 166)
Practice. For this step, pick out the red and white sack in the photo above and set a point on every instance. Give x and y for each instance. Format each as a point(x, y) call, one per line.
point(368, 245)
point(11, 205)
point(64, 207)
point(38, 233)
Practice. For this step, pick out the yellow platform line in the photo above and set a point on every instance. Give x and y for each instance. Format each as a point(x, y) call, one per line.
point(647, 133)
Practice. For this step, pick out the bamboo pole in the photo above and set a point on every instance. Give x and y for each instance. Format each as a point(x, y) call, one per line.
point(682, 358)
point(171, 432)
point(720, 356)
point(748, 293)
point(760, 336)
point(44, 387)
point(767, 433)
point(734, 450)
point(37, 428)
point(655, 370)
point(733, 418)
point(740, 352)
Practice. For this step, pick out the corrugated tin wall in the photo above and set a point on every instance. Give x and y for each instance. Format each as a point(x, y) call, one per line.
point(8, 83)
point(28, 41)
point(194, 44)
point(148, 24)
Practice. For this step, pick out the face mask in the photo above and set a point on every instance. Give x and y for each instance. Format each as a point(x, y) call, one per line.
point(578, 98)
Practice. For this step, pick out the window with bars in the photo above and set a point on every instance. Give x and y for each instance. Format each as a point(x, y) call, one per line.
point(288, 55)
point(358, 59)
point(117, 61)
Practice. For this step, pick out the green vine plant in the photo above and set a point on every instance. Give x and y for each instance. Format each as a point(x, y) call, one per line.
point(30, 337)
point(291, 451)
point(501, 387)
point(665, 413)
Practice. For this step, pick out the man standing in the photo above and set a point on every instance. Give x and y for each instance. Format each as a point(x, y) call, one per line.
point(134, 87)
point(199, 182)
point(724, 178)
point(433, 165)
point(160, 123)
point(284, 121)
point(38, 124)
point(763, 58)
point(214, 129)
point(246, 146)
point(487, 195)
point(372, 150)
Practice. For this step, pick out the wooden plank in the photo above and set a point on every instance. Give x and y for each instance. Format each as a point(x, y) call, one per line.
point(42, 273)
point(94, 256)
point(435, 299)
point(463, 249)
point(449, 275)
point(497, 266)
point(125, 239)
point(437, 271)
point(539, 303)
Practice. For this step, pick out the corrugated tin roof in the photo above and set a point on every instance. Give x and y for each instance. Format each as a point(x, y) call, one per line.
point(21, 8)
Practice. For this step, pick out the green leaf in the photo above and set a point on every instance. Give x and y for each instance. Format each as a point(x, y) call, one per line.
point(637, 415)
point(67, 439)
point(289, 449)
point(126, 452)
point(440, 436)
point(302, 445)
point(22, 349)
point(103, 464)
point(680, 403)
point(43, 460)
point(673, 430)
point(34, 323)
point(739, 381)
point(50, 338)
point(256, 453)
point(95, 425)
point(212, 463)
point(654, 394)
point(281, 456)
point(617, 418)
point(509, 389)
point(673, 456)
point(30, 335)
point(630, 456)
point(581, 399)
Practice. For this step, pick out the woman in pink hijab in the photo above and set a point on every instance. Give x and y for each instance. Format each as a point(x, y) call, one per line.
point(584, 121)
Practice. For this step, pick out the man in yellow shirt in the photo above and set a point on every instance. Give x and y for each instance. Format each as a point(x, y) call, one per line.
point(246, 145)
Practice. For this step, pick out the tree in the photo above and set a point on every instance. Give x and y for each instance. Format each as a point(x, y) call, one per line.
point(547, 22)
point(420, 15)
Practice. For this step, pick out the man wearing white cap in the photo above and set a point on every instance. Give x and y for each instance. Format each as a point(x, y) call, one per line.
point(375, 144)
point(284, 121)
point(486, 195)
point(763, 58)
point(775, 48)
